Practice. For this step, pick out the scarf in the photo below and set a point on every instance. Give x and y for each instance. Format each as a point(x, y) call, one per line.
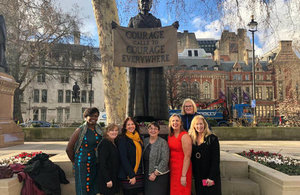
point(138, 148)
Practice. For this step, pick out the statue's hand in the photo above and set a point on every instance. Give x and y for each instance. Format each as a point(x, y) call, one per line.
point(114, 25)
point(176, 24)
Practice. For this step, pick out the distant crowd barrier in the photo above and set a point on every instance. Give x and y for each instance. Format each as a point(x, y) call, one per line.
point(224, 133)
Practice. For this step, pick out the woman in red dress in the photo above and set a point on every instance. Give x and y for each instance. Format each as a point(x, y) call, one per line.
point(180, 145)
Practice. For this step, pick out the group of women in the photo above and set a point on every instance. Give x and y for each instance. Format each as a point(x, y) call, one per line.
point(105, 162)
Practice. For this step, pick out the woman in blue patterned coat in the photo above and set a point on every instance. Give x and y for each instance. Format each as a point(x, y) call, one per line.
point(81, 150)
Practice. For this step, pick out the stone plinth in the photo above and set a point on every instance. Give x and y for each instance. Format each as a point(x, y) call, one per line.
point(75, 113)
point(10, 133)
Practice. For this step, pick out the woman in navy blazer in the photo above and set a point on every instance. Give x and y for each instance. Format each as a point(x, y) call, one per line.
point(130, 150)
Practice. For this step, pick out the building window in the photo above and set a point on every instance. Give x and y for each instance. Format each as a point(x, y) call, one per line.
point(83, 96)
point(247, 77)
point(190, 53)
point(206, 91)
point(237, 77)
point(68, 96)
point(238, 93)
point(195, 90)
point(60, 98)
point(36, 96)
point(195, 52)
point(257, 77)
point(88, 78)
point(64, 78)
point(194, 67)
point(35, 114)
point(280, 90)
point(44, 95)
point(91, 96)
point(41, 78)
point(44, 114)
point(272, 110)
point(258, 93)
point(67, 114)
point(269, 93)
point(59, 115)
point(248, 90)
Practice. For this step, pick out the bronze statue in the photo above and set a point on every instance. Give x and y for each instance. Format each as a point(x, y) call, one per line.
point(147, 98)
point(3, 63)
point(76, 93)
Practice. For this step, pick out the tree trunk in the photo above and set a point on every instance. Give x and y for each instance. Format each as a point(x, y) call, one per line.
point(115, 82)
point(17, 113)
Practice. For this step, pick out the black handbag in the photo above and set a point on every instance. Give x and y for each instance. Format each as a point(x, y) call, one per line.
point(139, 183)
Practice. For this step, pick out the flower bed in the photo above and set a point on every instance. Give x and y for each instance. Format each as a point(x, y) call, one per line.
point(276, 161)
point(21, 158)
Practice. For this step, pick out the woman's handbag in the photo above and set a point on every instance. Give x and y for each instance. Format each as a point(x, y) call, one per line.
point(139, 183)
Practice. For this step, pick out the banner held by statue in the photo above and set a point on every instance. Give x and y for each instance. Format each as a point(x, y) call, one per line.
point(145, 47)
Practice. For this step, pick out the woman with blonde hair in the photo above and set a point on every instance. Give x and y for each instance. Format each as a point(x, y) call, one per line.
point(188, 111)
point(205, 158)
point(108, 165)
point(180, 145)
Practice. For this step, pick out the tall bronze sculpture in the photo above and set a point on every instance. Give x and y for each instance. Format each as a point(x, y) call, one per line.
point(3, 63)
point(147, 98)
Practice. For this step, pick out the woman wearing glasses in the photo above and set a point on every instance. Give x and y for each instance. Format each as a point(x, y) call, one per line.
point(156, 162)
point(188, 111)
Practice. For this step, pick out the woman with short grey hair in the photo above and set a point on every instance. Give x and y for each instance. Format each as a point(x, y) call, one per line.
point(156, 160)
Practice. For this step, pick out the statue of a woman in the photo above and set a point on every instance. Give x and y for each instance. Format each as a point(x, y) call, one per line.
point(147, 98)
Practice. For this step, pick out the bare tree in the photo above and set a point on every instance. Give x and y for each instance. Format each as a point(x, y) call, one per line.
point(175, 94)
point(33, 27)
point(115, 82)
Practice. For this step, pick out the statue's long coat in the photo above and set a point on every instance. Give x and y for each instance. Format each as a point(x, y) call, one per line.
point(147, 87)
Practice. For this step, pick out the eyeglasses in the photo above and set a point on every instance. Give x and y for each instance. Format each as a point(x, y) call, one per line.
point(153, 129)
point(188, 106)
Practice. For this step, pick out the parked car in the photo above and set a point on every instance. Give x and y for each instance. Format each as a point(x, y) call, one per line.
point(38, 124)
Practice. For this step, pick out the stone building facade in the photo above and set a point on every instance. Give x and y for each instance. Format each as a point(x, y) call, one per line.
point(233, 47)
point(49, 95)
point(230, 73)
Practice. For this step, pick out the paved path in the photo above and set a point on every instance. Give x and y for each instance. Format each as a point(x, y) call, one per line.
point(286, 148)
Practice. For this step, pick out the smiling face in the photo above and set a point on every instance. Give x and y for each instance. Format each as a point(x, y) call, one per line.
point(199, 126)
point(130, 126)
point(175, 122)
point(188, 108)
point(153, 131)
point(92, 120)
point(113, 133)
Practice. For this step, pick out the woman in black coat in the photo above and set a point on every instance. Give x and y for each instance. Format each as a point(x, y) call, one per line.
point(108, 166)
point(130, 147)
point(205, 158)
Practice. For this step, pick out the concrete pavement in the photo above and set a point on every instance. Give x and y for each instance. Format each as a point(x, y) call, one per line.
point(287, 148)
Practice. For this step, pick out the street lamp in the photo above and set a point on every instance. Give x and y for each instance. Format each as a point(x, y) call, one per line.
point(253, 28)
